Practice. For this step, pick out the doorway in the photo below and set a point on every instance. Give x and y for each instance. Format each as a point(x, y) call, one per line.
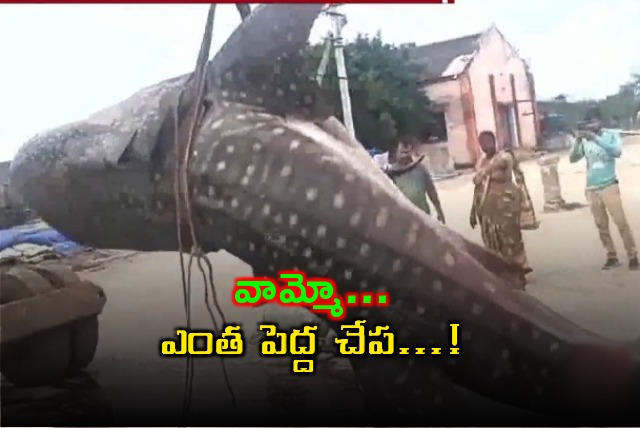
point(508, 126)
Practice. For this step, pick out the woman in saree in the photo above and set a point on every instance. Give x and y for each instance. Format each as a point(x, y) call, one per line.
point(501, 203)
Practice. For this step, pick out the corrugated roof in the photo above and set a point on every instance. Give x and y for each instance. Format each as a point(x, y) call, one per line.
point(446, 58)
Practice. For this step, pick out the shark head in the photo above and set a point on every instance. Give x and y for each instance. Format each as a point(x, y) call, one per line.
point(113, 170)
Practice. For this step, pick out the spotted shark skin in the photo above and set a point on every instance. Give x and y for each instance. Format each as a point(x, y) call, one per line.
point(269, 161)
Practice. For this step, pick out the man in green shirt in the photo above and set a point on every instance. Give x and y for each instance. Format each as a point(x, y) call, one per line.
point(411, 175)
point(600, 148)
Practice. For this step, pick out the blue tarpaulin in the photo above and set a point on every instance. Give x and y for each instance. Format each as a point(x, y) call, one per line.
point(36, 234)
point(374, 151)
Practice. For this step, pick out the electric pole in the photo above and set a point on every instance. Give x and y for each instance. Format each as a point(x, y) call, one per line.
point(334, 39)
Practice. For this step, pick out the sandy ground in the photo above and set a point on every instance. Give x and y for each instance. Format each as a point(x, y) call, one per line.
point(145, 297)
point(566, 253)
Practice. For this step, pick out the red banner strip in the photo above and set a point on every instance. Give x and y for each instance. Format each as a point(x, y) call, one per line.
point(209, 2)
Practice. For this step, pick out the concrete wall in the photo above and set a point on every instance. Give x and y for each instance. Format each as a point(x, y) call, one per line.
point(4, 184)
point(496, 57)
point(439, 160)
point(4, 171)
point(631, 138)
point(12, 209)
point(8, 196)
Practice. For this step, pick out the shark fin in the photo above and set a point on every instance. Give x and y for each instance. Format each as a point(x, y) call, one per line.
point(262, 63)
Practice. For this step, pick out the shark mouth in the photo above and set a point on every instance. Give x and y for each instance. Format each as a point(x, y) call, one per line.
point(269, 160)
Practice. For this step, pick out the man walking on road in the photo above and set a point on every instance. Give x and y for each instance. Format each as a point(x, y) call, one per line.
point(411, 175)
point(600, 147)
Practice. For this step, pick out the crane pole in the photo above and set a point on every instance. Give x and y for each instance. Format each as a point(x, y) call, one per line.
point(322, 68)
point(339, 20)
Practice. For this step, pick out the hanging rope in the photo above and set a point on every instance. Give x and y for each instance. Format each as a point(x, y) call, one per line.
point(182, 195)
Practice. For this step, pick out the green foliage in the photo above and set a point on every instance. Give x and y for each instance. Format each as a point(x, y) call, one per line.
point(571, 112)
point(633, 86)
point(385, 98)
point(619, 109)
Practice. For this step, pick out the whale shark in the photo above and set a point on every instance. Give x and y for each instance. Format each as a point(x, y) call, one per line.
point(270, 159)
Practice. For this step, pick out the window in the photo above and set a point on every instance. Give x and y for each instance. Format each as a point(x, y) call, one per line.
point(437, 132)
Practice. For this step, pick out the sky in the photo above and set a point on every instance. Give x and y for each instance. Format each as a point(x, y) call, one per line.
point(61, 63)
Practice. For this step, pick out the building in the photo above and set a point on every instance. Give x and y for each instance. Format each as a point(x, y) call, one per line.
point(477, 82)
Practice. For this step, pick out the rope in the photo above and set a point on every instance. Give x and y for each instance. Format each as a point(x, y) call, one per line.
point(182, 194)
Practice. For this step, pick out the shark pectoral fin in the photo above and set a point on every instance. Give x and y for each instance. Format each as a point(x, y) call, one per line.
point(121, 151)
point(337, 130)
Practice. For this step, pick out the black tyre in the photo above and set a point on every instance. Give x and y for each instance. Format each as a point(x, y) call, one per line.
point(84, 342)
point(41, 359)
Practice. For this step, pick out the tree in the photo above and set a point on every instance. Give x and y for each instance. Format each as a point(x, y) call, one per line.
point(633, 86)
point(622, 107)
point(383, 84)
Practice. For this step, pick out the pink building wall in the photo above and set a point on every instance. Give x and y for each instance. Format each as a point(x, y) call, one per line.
point(442, 155)
point(495, 57)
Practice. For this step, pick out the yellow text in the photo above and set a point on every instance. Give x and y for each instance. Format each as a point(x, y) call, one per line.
point(295, 343)
point(230, 343)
